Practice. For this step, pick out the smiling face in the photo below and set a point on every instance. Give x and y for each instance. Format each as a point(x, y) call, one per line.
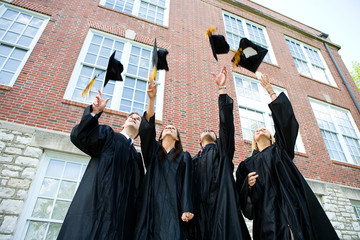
point(133, 121)
point(171, 131)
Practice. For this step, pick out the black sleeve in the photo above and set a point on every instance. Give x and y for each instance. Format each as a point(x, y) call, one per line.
point(226, 128)
point(149, 144)
point(187, 189)
point(244, 191)
point(286, 125)
point(88, 136)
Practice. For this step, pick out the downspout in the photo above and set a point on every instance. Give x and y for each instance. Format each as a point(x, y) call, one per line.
point(341, 75)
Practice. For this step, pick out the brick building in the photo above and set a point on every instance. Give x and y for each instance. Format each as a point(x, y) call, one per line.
point(49, 50)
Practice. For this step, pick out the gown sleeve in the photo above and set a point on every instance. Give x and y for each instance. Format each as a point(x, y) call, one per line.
point(226, 128)
point(286, 125)
point(187, 189)
point(148, 139)
point(88, 136)
point(244, 191)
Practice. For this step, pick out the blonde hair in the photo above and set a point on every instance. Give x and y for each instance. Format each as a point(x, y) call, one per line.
point(254, 145)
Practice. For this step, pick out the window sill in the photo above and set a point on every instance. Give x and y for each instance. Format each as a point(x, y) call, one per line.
point(317, 81)
point(133, 16)
point(5, 87)
point(345, 164)
point(111, 111)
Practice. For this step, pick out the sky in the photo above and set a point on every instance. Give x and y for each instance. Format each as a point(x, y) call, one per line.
point(339, 19)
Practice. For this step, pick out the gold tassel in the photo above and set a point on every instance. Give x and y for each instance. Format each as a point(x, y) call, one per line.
point(153, 74)
point(237, 57)
point(87, 90)
point(210, 30)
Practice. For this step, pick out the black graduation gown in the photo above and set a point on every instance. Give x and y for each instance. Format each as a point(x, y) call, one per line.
point(166, 191)
point(281, 202)
point(216, 200)
point(104, 204)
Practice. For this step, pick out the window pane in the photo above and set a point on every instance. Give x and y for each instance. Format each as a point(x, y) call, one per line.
point(72, 171)
point(49, 187)
point(333, 146)
point(55, 169)
point(12, 65)
point(53, 232)
point(250, 121)
point(60, 210)
point(67, 189)
point(17, 27)
point(42, 208)
point(36, 230)
point(5, 77)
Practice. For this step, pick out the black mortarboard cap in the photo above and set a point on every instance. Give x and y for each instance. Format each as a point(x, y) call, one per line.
point(159, 60)
point(114, 70)
point(162, 63)
point(249, 55)
point(217, 42)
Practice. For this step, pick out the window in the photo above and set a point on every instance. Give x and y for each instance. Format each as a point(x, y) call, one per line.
point(50, 196)
point(254, 112)
point(356, 206)
point(309, 62)
point(339, 132)
point(153, 10)
point(126, 96)
point(237, 28)
point(19, 32)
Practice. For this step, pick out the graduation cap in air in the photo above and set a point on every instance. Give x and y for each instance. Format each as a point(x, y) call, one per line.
point(217, 42)
point(159, 60)
point(249, 55)
point(113, 72)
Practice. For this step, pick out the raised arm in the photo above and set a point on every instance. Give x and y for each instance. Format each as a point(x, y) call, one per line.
point(226, 126)
point(88, 136)
point(285, 123)
point(187, 188)
point(147, 128)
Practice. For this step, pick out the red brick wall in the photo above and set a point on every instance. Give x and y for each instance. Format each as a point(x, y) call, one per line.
point(190, 100)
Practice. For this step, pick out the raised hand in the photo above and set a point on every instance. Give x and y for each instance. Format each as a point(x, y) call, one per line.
point(265, 82)
point(99, 103)
point(151, 91)
point(220, 78)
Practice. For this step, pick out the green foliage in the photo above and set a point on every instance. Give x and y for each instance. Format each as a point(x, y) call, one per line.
point(355, 73)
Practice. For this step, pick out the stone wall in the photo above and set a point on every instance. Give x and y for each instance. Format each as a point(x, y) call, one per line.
point(21, 150)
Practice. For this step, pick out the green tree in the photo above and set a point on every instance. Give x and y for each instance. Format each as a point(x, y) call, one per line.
point(355, 73)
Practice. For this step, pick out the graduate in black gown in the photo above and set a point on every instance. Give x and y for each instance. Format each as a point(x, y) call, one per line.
point(216, 201)
point(165, 201)
point(104, 204)
point(272, 190)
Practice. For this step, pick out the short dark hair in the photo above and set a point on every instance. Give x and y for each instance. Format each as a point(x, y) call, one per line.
point(132, 113)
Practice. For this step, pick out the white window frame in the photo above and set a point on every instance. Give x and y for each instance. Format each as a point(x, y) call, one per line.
point(37, 183)
point(29, 49)
point(136, 8)
point(247, 35)
point(356, 206)
point(116, 98)
point(309, 64)
point(262, 106)
point(338, 132)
